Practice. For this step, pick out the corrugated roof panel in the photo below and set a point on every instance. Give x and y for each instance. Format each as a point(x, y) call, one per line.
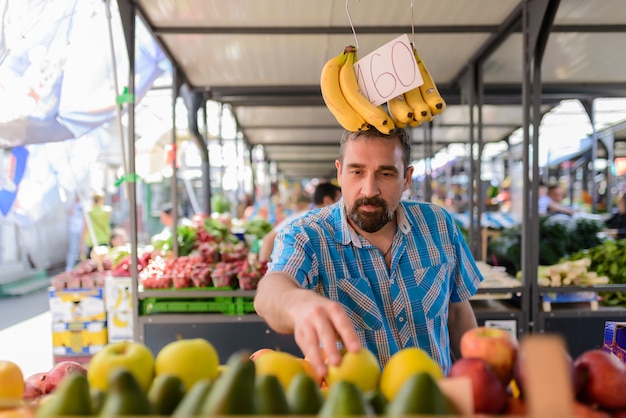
point(306, 13)
point(298, 136)
point(585, 12)
point(266, 60)
point(572, 57)
point(260, 116)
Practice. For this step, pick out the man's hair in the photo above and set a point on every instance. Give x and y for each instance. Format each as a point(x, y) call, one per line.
point(325, 189)
point(167, 208)
point(400, 133)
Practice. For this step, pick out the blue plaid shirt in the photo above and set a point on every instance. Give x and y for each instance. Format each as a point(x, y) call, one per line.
point(408, 307)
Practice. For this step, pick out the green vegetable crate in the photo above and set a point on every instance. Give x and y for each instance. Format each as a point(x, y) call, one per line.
point(224, 305)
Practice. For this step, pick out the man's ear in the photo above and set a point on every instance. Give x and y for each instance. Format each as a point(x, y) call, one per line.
point(338, 167)
point(408, 178)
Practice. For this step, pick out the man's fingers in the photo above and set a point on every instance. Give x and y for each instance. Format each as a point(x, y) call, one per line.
point(345, 329)
point(307, 340)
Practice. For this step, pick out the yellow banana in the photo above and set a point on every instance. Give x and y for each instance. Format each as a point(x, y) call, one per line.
point(421, 110)
point(374, 115)
point(347, 117)
point(400, 111)
point(429, 89)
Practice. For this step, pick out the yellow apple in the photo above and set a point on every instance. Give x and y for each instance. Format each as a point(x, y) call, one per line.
point(283, 365)
point(360, 368)
point(190, 359)
point(129, 355)
point(404, 364)
point(11, 381)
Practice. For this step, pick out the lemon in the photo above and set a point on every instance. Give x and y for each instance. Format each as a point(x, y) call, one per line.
point(404, 364)
point(190, 359)
point(11, 381)
point(283, 365)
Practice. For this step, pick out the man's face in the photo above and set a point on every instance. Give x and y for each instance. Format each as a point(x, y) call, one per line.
point(372, 179)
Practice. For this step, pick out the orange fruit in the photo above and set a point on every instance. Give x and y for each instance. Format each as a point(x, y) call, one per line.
point(11, 381)
point(404, 364)
point(308, 369)
point(258, 353)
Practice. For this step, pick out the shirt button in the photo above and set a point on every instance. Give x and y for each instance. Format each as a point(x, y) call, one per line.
point(391, 281)
point(401, 319)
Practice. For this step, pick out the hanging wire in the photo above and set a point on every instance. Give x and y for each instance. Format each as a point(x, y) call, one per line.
point(412, 23)
point(356, 41)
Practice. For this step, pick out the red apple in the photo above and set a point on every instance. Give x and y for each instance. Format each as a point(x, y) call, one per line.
point(621, 413)
point(34, 386)
point(581, 410)
point(59, 371)
point(603, 379)
point(489, 394)
point(496, 346)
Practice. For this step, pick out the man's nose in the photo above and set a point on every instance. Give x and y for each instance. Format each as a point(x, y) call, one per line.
point(370, 185)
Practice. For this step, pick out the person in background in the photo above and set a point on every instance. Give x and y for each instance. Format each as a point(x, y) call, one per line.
point(76, 226)
point(118, 237)
point(371, 270)
point(555, 193)
point(324, 195)
point(617, 222)
point(544, 200)
point(166, 216)
point(99, 217)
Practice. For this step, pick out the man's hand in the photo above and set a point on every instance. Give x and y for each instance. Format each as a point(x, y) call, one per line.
point(319, 324)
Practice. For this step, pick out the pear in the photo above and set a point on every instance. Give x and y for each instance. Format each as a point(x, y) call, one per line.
point(71, 399)
point(125, 396)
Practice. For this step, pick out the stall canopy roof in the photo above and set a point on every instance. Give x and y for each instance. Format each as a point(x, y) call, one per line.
point(264, 59)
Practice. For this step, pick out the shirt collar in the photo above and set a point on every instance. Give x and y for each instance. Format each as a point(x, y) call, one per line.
point(346, 234)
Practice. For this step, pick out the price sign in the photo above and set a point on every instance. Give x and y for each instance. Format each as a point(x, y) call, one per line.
point(389, 71)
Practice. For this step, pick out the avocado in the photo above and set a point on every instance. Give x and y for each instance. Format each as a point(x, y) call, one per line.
point(97, 399)
point(345, 398)
point(190, 405)
point(125, 396)
point(304, 396)
point(420, 395)
point(269, 396)
point(377, 400)
point(70, 399)
point(233, 391)
point(166, 391)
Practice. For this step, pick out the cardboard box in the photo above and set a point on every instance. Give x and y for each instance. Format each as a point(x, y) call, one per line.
point(78, 338)
point(77, 305)
point(118, 293)
point(615, 339)
point(120, 326)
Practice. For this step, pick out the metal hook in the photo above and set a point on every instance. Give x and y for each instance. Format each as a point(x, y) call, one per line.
point(356, 41)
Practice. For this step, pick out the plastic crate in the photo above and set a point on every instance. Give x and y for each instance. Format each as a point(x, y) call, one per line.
point(223, 305)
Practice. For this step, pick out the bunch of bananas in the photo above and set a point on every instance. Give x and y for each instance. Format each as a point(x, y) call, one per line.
point(354, 112)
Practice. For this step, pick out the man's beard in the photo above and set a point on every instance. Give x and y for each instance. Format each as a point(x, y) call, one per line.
point(370, 221)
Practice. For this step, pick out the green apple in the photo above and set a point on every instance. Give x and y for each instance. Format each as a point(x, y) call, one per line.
point(190, 359)
point(129, 355)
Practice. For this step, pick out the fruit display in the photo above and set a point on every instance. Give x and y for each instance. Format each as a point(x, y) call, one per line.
point(354, 112)
point(125, 379)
